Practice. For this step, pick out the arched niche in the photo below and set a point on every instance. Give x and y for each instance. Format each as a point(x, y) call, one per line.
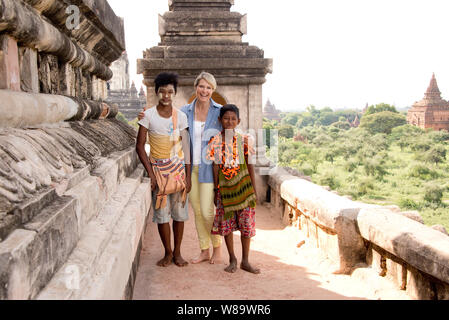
point(218, 98)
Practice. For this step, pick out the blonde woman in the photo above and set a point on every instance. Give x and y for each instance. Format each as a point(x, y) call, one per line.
point(202, 116)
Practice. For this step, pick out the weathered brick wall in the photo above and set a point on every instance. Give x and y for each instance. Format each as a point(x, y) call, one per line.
point(70, 184)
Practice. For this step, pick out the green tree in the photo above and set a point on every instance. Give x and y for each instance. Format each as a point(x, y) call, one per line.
point(433, 193)
point(382, 122)
point(286, 131)
point(381, 107)
point(327, 118)
point(306, 119)
point(291, 119)
point(436, 154)
point(344, 125)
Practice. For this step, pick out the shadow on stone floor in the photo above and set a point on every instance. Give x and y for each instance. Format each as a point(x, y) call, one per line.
point(281, 279)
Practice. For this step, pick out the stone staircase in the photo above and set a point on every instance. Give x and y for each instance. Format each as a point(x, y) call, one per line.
point(84, 244)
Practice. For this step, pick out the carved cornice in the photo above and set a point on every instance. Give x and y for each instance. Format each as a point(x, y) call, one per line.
point(100, 31)
point(26, 25)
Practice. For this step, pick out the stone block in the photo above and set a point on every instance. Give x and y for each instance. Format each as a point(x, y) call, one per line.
point(396, 272)
point(30, 208)
point(95, 88)
point(78, 83)
point(418, 286)
point(9, 64)
point(261, 186)
point(440, 228)
point(45, 83)
point(57, 234)
point(351, 244)
point(442, 290)
point(86, 85)
point(29, 80)
point(17, 271)
point(376, 261)
point(8, 223)
point(286, 220)
point(89, 197)
point(67, 80)
point(108, 247)
point(313, 234)
point(328, 243)
point(30, 257)
point(414, 215)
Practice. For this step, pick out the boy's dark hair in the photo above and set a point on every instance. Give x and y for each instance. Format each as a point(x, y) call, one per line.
point(166, 78)
point(229, 107)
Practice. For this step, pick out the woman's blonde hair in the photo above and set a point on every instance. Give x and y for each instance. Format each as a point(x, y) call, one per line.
point(208, 77)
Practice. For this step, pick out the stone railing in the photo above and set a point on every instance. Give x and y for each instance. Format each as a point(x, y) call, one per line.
point(357, 235)
point(73, 199)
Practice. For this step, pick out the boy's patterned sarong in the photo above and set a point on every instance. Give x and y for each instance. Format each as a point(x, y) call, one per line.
point(243, 220)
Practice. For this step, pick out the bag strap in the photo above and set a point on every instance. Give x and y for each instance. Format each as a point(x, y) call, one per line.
point(174, 117)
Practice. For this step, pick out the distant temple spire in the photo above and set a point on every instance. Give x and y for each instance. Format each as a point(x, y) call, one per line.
point(432, 111)
point(270, 112)
point(433, 92)
point(142, 92)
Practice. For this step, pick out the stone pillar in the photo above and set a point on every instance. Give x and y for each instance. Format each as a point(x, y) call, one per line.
point(9, 64)
point(67, 80)
point(199, 35)
point(29, 81)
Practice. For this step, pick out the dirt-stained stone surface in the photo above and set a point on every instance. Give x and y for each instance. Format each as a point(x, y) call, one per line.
point(287, 272)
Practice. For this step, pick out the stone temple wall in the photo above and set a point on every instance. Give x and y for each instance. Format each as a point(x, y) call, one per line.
point(73, 199)
point(375, 241)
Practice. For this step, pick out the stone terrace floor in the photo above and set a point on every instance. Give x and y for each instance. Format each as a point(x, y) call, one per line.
point(287, 272)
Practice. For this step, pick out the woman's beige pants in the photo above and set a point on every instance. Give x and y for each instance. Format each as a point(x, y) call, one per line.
point(202, 199)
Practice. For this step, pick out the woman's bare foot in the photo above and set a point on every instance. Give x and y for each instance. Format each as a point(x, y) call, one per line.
point(247, 267)
point(204, 256)
point(165, 261)
point(232, 266)
point(216, 256)
point(179, 261)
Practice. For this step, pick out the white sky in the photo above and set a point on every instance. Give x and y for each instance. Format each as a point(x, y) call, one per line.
point(341, 54)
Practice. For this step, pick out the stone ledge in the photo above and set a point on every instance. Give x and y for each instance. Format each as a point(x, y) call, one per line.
point(35, 255)
point(44, 162)
point(21, 109)
point(264, 65)
point(420, 246)
point(239, 51)
point(415, 256)
point(199, 5)
point(108, 250)
point(116, 262)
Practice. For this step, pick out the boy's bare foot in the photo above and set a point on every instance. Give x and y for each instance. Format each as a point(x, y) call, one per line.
point(216, 256)
point(165, 261)
point(247, 267)
point(204, 256)
point(232, 266)
point(179, 261)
